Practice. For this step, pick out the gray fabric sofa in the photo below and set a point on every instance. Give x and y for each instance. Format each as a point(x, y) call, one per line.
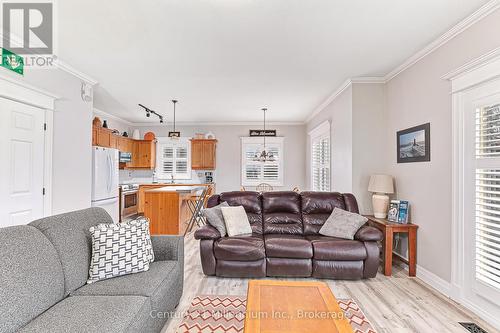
point(43, 272)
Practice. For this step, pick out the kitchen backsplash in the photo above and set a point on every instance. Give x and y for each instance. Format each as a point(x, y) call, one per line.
point(146, 176)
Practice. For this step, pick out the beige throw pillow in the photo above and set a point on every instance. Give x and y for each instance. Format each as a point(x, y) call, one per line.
point(236, 220)
point(342, 224)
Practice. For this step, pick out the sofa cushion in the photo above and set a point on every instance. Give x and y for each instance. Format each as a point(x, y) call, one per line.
point(330, 248)
point(31, 276)
point(94, 314)
point(317, 207)
point(281, 213)
point(252, 203)
point(69, 233)
point(342, 224)
point(117, 249)
point(215, 218)
point(163, 278)
point(240, 248)
point(288, 246)
point(236, 221)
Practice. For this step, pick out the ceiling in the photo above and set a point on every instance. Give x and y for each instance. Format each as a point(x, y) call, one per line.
point(225, 59)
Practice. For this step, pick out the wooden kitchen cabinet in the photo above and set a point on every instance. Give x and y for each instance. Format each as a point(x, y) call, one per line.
point(143, 155)
point(203, 154)
point(125, 144)
point(103, 137)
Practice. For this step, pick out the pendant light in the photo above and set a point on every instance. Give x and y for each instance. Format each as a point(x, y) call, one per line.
point(264, 155)
point(174, 134)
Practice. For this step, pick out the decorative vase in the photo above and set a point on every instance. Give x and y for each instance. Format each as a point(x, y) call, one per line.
point(125, 134)
point(105, 124)
point(136, 135)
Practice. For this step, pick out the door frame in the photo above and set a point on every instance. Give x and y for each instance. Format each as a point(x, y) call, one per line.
point(24, 93)
point(478, 72)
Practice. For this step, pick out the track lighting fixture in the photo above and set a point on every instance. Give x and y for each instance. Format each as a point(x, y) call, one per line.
point(149, 112)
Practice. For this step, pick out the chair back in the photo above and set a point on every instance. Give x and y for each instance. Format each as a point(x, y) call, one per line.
point(263, 187)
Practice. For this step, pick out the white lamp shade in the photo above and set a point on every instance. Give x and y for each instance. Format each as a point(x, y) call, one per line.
point(381, 184)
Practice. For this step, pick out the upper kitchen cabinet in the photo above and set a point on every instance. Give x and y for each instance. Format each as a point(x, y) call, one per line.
point(125, 145)
point(203, 154)
point(143, 155)
point(102, 137)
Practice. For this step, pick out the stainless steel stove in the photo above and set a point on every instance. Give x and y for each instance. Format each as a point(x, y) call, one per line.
point(129, 200)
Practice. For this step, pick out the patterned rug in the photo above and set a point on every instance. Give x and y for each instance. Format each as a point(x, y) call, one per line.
point(226, 314)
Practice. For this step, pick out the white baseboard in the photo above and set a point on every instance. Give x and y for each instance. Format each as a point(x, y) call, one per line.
point(446, 289)
point(441, 285)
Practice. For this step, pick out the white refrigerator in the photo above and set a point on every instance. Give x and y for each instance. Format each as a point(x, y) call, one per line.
point(105, 180)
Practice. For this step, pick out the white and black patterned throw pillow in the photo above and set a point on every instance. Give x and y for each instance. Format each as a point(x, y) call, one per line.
point(117, 249)
point(143, 223)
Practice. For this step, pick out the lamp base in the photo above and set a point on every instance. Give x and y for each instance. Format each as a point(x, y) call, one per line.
point(380, 204)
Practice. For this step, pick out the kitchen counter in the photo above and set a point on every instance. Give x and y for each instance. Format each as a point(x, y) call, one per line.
point(143, 187)
point(177, 188)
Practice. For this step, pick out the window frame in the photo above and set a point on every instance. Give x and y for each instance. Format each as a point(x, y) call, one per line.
point(175, 142)
point(270, 141)
point(320, 132)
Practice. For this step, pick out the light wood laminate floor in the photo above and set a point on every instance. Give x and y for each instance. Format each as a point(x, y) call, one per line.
point(392, 304)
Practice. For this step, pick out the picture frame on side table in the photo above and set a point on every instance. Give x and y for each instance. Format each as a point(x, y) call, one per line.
point(414, 144)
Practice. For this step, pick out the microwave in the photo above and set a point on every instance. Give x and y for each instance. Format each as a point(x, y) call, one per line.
point(125, 157)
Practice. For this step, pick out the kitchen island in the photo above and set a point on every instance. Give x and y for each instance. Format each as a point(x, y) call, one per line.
point(167, 208)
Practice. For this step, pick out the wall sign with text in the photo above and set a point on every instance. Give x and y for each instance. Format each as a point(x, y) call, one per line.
point(262, 133)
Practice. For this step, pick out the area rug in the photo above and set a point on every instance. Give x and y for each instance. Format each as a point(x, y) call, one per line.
point(226, 314)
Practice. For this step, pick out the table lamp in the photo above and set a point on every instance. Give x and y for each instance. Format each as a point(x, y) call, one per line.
point(380, 186)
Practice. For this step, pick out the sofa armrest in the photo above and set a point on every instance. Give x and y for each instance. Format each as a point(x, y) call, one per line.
point(368, 234)
point(207, 232)
point(168, 247)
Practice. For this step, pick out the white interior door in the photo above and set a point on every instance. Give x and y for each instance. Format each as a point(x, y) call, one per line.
point(22, 149)
point(481, 234)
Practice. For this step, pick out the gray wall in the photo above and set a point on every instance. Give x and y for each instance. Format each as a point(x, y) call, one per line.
point(339, 114)
point(358, 127)
point(417, 96)
point(229, 151)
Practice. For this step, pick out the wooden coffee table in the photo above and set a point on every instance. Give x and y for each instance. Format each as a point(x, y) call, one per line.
point(290, 306)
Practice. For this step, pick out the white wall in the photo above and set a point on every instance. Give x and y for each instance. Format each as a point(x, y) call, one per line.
point(229, 151)
point(72, 155)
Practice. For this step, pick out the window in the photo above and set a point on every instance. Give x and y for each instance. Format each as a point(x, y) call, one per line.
point(253, 172)
point(173, 158)
point(320, 157)
point(488, 195)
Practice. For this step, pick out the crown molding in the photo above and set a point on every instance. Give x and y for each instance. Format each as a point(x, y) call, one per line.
point(470, 20)
point(223, 123)
point(345, 85)
point(473, 64)
point(111, 116)
point(62, 65)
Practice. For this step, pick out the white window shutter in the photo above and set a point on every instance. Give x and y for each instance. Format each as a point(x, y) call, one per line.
point(488, 196)
point(173, 158)
point(320, 158)
point(253, 172)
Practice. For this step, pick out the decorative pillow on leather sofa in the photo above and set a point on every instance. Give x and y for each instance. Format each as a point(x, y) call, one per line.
point(215, 218)
point(342, 224)
point(117, 249)
point(236, 220)
point(143, 223)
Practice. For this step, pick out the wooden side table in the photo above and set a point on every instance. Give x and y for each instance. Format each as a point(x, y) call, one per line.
point(389, 229)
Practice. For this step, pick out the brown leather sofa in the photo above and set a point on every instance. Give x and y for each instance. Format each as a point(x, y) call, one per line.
point(285, 240)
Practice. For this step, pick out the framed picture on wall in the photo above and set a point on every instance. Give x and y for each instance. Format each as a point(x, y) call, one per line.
point(414, 144)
